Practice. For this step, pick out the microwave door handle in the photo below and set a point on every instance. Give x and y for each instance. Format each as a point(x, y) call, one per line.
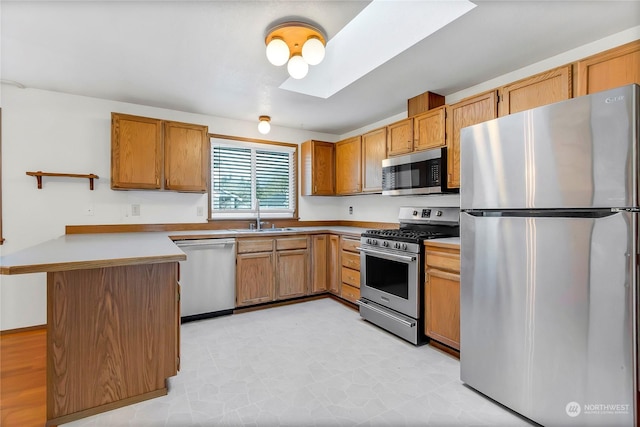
point(387, 255)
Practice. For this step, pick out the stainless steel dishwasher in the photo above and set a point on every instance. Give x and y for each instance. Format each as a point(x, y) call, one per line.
point(207, 278)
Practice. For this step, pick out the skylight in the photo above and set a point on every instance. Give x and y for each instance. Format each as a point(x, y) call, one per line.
point(381, 31)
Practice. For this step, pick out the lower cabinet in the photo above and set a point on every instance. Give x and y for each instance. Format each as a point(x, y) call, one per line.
point(334, 265)
point(292, 273)
point(319, 263)
point(254, 278)
point(278, 268)
point(269, 269)
point(350, 271)
point(442, 294)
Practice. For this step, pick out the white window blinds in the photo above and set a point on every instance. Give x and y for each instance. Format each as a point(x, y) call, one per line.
point(242, 172)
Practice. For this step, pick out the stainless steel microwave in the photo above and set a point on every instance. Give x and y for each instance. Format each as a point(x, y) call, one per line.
point(424, 172)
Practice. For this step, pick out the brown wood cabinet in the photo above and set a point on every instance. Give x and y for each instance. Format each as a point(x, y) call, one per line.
point(349, 166)
point(255, 271)
point(609, 69)
point(318, 168)
point(269, 269)
point(469, 111)
point(400, 137)
point(292, 273)
point(147, 153)
point(186, 157)
point(319, 263)
point(292, 267)
point(374, 151)
point(424, 102)
point(136, 152)
point(542, 89)
point(429, 129)
point(350, 271)
point(334, 264)
point(442, 294)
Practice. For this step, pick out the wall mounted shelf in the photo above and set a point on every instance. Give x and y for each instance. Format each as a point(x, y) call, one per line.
point(40, 174)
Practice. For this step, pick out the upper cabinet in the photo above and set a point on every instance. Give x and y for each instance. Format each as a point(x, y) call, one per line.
point(318, 168)
point(147, 153)
point(186, 155)
point(400, 137)
point(469, 111)
point(349, 165)
point(429, 129)
point(136, 152)
point(544, 88)
point(374, 151)
point(612, 68)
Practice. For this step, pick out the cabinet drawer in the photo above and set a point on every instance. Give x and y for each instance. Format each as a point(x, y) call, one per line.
point(261, 245)
point(350, 293)
point(291, 243)
point(351, 277)
point(350, 245)
point(443, 260)
point(443, 257)
point(351, 260)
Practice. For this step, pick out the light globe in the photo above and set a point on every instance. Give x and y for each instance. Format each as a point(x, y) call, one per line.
point(297, 67)
point(313, 51)
point(277, 52)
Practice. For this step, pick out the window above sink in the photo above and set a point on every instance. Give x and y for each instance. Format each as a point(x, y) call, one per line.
point(242, 171)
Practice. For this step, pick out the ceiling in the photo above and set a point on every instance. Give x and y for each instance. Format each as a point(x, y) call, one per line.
point(208, 57)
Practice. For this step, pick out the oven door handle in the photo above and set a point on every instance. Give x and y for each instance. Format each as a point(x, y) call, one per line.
point(384, 313)
point(388, 255)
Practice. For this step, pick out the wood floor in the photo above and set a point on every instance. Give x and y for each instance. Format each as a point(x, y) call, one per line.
point(23, 378)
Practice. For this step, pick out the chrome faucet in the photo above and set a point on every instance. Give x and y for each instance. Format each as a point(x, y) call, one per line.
point(258, 222)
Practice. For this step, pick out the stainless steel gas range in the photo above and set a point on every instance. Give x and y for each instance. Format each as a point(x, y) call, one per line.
point(392, 269)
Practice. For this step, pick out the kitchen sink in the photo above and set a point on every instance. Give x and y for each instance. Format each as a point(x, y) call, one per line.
point(262, 230)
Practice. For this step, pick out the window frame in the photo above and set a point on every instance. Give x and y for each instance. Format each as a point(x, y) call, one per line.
point(267, 143)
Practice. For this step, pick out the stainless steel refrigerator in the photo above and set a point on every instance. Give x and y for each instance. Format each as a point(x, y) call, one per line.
point(549, 260)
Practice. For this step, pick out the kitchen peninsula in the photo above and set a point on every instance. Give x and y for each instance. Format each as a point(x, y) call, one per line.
point(112, 319)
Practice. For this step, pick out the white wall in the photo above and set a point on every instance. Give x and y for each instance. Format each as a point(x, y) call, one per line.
point(56, 132)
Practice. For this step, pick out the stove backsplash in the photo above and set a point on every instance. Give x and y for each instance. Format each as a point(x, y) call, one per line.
point(367, 208)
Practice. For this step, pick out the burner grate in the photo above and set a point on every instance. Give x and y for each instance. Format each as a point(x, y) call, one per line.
point(407, 235)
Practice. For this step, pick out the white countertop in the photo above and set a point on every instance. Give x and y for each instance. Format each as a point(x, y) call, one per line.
point(83, 251)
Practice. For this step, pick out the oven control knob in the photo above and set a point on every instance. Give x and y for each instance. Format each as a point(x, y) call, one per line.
point(415, 213)
point(397, 245)
point(368, 241)
point(404, 246)
point(439, 213)
point(385, 244)
point(375, 242)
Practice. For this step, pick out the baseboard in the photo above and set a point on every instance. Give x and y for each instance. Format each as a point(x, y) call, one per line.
point(21, 330)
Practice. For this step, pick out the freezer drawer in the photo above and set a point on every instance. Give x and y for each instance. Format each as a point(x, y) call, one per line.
point(548, 309)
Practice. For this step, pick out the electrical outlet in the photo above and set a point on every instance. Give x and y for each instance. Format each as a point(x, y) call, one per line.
point(350, 210)
point(200, 211)
point(135, 210)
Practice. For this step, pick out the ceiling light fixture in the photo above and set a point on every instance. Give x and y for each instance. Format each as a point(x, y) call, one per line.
point(263, 124)
point(296, 44)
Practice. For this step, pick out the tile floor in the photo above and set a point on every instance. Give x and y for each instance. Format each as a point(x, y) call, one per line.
point(310, 364)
